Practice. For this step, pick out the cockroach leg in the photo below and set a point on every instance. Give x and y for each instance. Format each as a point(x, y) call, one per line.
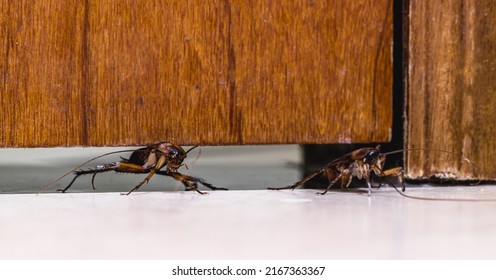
point(396, 172)
point(78, 173)
point(137, 187)
point(147, 178)
point(331, 184)
point(299, 183)
point(99, 169)
point(201, 181)
point(369, 184)
point(187, 183)
point(379, 178)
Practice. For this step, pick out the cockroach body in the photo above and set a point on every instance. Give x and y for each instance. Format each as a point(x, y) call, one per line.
point(160, 158)
point(361, 163)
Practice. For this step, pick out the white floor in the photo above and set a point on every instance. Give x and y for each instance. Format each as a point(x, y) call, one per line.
point(244, 224)
point(247, 222)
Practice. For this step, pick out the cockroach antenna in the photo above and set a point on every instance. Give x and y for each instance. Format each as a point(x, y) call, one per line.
point(462, 157)
point(440, 198)
point(429, 149)
point(197, 156)
point(192, 148)
point(466, 159)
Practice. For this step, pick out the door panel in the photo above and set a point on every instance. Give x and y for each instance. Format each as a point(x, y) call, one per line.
point(103, 73)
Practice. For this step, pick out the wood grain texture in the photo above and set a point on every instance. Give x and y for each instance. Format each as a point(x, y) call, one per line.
point(451, 89)
point(41, 70)
point(97, 73)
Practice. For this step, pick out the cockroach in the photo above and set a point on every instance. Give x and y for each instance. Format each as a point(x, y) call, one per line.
point(361, 164)
point(160, 158)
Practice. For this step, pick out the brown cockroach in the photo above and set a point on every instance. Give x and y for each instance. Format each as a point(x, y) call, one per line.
point(361, 163)
point(147, 160)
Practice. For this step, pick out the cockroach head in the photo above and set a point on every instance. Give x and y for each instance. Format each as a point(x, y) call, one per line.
point(174, 153)
point(373, 155)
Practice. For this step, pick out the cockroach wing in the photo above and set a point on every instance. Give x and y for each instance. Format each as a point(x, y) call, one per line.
point(349, 158)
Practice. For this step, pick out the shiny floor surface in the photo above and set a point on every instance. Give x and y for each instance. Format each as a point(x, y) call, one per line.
point(255, 224)
point(248, 222)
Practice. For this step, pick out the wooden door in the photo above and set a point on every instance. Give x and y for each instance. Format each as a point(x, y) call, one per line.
point(103, 73)
point(451, 93)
